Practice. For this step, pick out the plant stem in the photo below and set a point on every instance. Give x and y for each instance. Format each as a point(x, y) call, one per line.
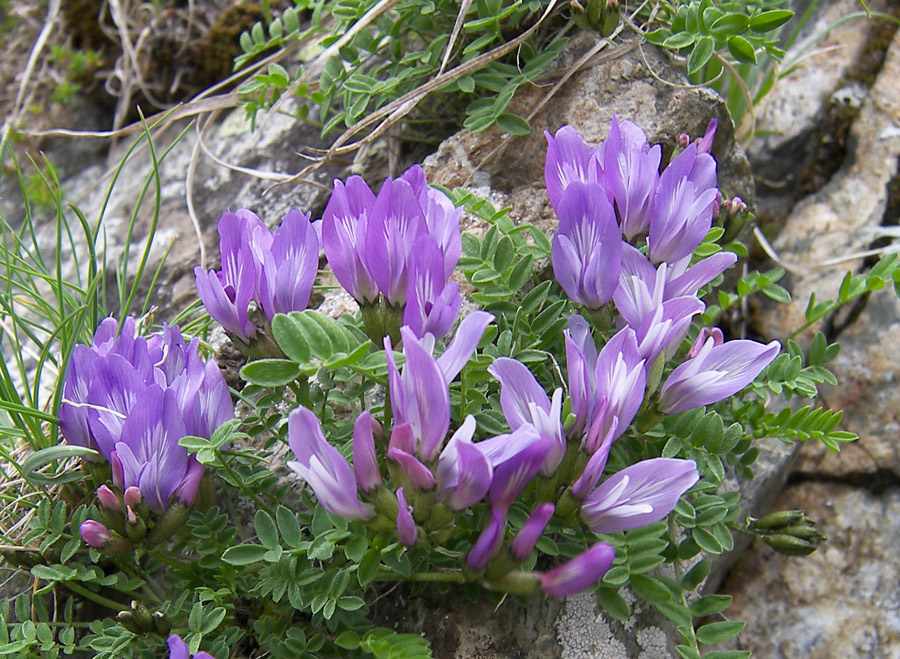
point(94, 597)
point(431, 577)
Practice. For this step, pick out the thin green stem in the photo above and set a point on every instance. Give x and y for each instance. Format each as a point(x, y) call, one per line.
point(78, 589)
point(429, 577)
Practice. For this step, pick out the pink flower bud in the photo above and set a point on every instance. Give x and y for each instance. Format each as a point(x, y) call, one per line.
point(108, 499)
point(133, 496)
point(95, 534)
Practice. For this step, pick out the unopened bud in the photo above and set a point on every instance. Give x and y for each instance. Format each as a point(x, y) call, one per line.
point(778, 520)
point(135, 528)
point(161, 623)
point(133, 496)
point(684, 140)
point(95, 534)
point(141, 616)
point(789, 545)
point(127, 621)
point(108, 499)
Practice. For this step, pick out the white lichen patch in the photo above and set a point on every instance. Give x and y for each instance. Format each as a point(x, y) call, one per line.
point(653, 642)
point(583, 633)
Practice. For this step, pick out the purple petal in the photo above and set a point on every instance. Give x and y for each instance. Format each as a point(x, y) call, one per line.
point(396, 220)
point(630, 172)
point(699, 275)
point(427, 399)
point(638, 495)
point(400, 451)
point(587, 248)
point(531, 531)
point(295, 251)
point(569, 159)
point(513, 475)
point(343, 230)
point(365, 462)
point(442, 221)
point(464, 472)
point(406, 525)
point(323, 467)
point(580, 573)
point(717, 372)
point(488, 542)
point(460, 350)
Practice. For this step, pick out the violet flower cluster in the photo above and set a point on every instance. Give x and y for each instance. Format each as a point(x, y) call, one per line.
point(624, 248)
point(274, 271)
point(394, 252)
point(132, 398)
point(643, 227)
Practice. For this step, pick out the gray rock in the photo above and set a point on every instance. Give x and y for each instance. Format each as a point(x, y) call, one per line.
point(842, 600)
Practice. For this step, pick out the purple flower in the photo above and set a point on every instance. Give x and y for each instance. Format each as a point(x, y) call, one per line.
point(226, 294)
point(630, 173)
point(178, 649)
point(149, 453)
point(683, 211)
point(95, 533)
point(568, 160)
point(638, 495)
point(587, 247)
point(287, 264)
point(464, 472)
point(134, 398)
point(643, 288)
point(531, 530)
point(607, 390)
point(516, 458)
point(420, 395)
point(524, 401)
point(717, 372)
point(365, 462)
point(580, 573)
point(432, 303)
point(323, 467)
point(344, 225)
point(395, 222)
point(372, 243)
point(406, 525)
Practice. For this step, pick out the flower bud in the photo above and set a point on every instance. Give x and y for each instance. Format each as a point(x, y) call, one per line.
point(790, 545)
point(135, 528)
point(161, 623)
point(778, 520)
point(108, 499)
point(95, 534)
point(127, 621)
point(141, 617)
point(580, 573)
point(531, 531)
point(133, 496)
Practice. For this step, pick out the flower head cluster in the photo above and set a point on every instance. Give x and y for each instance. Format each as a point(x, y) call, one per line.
point(274, 271)
point(133, 397)
point(604, 194)
point(628, 234)
point(401, 244)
